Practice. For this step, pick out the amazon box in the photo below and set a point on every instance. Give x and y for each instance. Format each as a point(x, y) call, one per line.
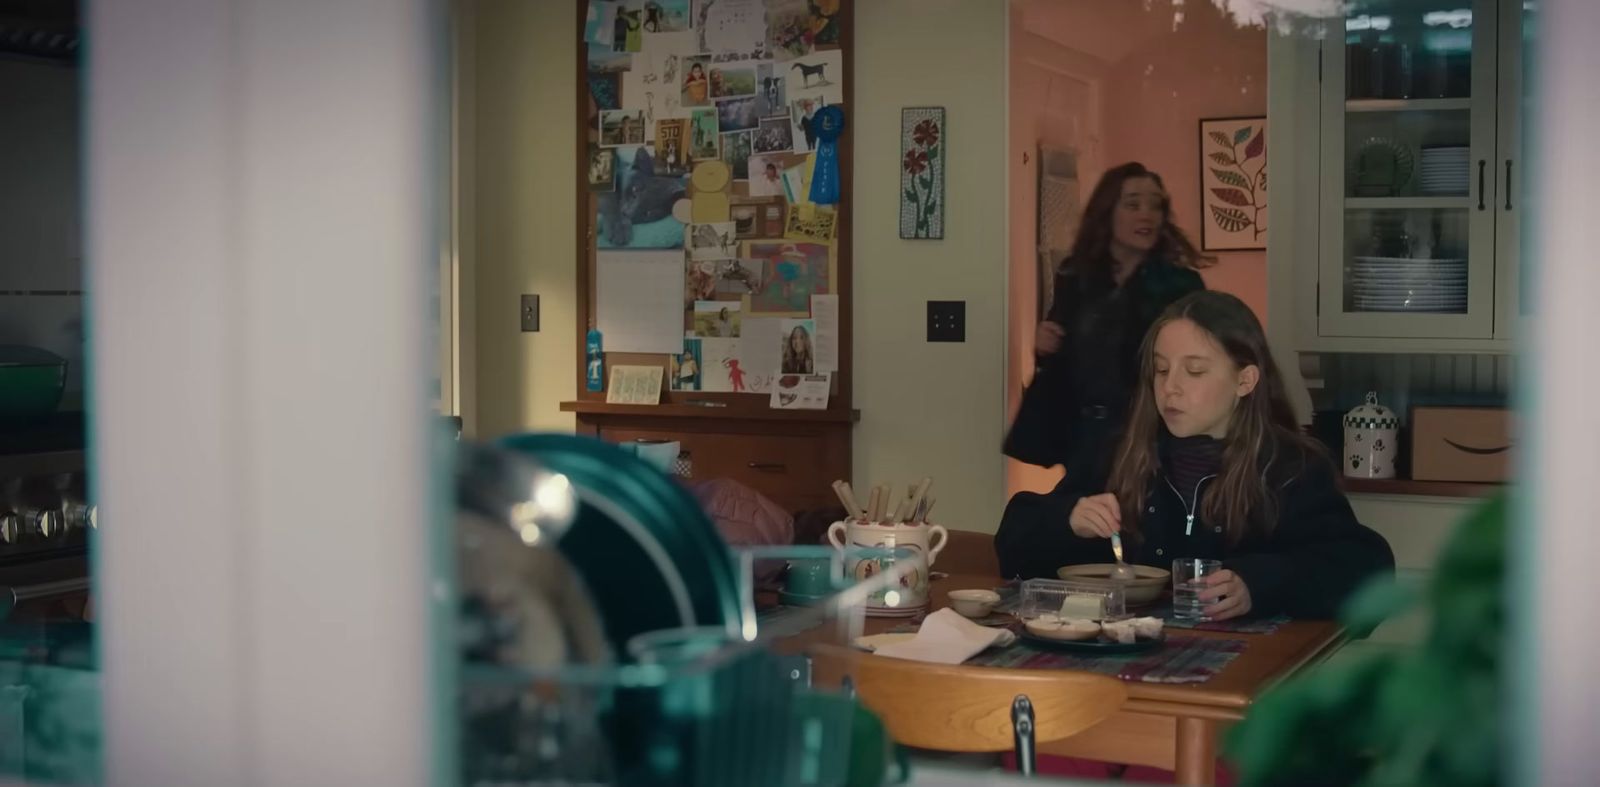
point(1461, 444)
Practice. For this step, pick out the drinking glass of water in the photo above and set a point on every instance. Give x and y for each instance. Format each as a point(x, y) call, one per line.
point(1187, 574)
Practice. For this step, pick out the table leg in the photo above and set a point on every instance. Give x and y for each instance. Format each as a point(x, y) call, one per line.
point(1197, 752)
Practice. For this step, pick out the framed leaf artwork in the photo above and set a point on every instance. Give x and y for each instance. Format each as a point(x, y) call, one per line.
point(922, 157)
point(1233, 184)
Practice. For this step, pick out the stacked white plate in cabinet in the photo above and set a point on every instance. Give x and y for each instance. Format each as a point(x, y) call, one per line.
point(1401, 284)
point(1445, 170)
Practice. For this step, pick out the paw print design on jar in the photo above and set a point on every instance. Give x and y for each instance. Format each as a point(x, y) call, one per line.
point(1371, 440)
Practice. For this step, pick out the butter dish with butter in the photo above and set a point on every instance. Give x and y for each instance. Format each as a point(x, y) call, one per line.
point(1069, 600)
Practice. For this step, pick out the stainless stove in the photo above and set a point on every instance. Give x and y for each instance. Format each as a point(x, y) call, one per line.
point(46, 517)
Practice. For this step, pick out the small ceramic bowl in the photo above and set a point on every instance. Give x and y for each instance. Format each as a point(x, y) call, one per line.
point(974, 602)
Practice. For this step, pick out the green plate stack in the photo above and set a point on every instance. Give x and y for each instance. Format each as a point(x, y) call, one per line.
point(31, 382)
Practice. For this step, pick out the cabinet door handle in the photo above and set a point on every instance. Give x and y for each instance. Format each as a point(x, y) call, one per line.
point(1508, 184)
point(769, 467)
point(1481, 165)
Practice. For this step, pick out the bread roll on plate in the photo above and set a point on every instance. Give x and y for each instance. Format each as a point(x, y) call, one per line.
point(1056, 627)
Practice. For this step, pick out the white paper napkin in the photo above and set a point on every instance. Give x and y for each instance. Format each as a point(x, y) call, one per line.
point(947, 638)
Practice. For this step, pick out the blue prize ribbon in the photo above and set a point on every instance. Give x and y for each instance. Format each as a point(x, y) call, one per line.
point(829, 123)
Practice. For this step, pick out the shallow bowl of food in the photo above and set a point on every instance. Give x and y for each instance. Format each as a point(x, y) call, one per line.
point(974, 602)
point(1145, 589)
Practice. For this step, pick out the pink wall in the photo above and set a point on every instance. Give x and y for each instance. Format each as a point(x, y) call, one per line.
point(1147, 77)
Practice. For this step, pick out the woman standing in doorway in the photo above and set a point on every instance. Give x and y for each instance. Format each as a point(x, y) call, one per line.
point(1128, 263)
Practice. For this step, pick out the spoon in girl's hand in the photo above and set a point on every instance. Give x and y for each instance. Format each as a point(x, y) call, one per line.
point(1122, 571)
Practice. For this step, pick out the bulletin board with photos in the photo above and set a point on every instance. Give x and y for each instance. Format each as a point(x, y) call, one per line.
point(705, 248)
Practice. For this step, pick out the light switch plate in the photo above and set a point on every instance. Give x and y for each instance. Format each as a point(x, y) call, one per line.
point(947, 321)
point(530, 314)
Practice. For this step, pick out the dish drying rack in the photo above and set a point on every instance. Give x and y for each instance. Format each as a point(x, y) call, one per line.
point(693, 706)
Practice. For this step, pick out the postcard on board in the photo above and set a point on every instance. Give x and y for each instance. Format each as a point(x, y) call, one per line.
point(774, 135)
point(634, 385)
point(620, 127)
point(791, 273)
point(715, 241)
point(720, 367)
point(736, 153)
point(717, 319)
point(819, 74)
point(644, 220)
point(801, 392)
point(811, 223)
point(766, 175)
point(672, 147)
point(684, 370)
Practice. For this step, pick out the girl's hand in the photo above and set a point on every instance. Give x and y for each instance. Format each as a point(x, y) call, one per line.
point(1096, 517)
point(1047, 338)
point(1229, 596)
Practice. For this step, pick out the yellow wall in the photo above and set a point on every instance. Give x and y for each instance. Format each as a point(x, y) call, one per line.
point(525, 214)
point(926, 409)
point(932, 409)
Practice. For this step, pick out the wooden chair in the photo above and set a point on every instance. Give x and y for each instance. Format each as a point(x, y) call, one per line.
point(968, 552)
point(970, 709)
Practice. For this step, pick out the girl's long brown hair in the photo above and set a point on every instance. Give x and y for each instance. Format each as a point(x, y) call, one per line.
point(1093, 244)
point(1238, 498)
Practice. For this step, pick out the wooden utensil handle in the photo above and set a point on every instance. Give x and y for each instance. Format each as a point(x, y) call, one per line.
point(850, 502)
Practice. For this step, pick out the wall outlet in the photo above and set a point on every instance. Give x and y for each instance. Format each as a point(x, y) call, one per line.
point(530, 314)
point(947, 321)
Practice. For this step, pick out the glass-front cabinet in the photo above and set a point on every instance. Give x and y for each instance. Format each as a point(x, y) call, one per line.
point(1420, 109)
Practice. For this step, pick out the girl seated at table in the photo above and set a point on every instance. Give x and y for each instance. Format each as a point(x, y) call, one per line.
point(1211, 465)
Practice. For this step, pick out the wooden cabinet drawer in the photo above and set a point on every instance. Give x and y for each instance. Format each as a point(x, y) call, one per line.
point(795, 471)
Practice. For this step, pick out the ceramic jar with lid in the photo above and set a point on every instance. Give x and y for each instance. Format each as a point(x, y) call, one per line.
point(914, 542)
point(1371, 440)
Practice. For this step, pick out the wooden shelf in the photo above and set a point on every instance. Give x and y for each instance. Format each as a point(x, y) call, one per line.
point(720, 413)
point(1407, 104)
point(1405, 486)
point(1403, 203)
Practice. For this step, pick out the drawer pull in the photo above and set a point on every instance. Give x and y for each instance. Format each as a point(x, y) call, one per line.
point(769, 467)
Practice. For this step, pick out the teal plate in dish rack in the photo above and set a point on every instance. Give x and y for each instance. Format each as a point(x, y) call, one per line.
point(648, 555)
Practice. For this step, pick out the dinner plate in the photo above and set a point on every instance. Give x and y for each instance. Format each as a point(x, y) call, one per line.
point(1404, 279)
point(1411, 304)
point(1399, 291)
point(1421, 278)
point(1374, 309)
point(1418, 297)
point(1097, 645)
point(646, 550)
point(1395, 278)
point(896, 612)
point(1409, 262)
point(1411, 307)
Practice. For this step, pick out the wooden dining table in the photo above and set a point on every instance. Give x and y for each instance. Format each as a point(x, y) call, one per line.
point(1176, 727)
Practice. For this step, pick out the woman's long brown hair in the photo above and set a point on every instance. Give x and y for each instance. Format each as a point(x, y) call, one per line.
point(1093, 244)
point(1238, 499)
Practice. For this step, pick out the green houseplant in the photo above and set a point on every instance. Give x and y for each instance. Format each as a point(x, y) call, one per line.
point(1430, 715)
